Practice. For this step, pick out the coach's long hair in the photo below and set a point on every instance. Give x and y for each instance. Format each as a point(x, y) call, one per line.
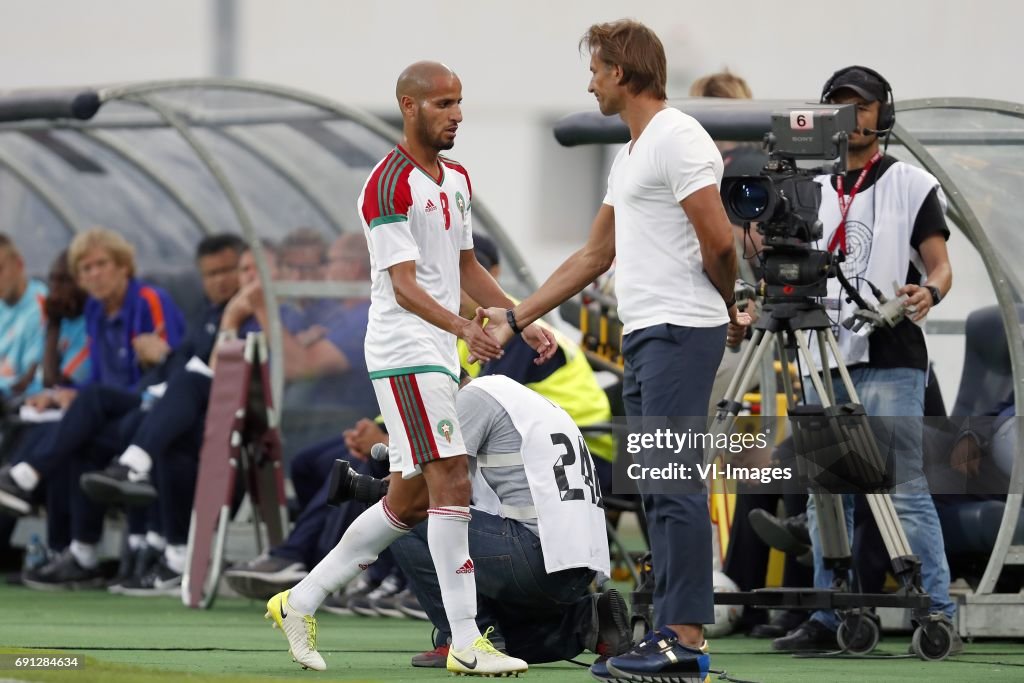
point(636, 49)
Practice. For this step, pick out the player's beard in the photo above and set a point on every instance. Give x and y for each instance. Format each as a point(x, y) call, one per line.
point(436, 142)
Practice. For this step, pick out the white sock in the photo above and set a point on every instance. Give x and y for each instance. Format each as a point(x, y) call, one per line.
point(365, 539)
point(136, 541)
point(174, 556)
point(155, 540)
point(137, 459)
point(448, 539)
point(25, 476)
point(85, 554)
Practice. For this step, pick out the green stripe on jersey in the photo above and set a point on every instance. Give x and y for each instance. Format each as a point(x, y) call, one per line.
point(382, 181)
point(391, 185)
point(413, 370)
point(418, 435)
point(384, 220)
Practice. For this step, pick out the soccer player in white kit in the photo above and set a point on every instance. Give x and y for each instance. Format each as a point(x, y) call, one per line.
point(416, 213)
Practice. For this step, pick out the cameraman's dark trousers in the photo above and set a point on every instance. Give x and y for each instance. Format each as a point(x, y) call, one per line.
point(539, 617)
point(669, 372)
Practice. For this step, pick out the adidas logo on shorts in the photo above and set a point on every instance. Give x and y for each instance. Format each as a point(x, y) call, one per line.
point(466, 568)
point(431, 206)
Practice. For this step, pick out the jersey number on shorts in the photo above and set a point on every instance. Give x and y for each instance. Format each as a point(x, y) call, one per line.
point(444, 210)
point(567, 459)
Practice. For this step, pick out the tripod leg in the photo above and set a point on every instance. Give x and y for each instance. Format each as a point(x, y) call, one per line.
point(826, 376)
point(725, 418)
point(738, 384)
point(844, 374)
point(832, 533)
point(816, 376)
point(889, 526)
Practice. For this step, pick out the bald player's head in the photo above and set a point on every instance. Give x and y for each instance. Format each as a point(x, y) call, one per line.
point(429, 96)
point(420, 78)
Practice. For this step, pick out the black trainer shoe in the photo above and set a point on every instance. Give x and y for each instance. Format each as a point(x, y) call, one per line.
point(265, 576)
point(338, 603)
point(409, 605)
point(790, 535)
point(613, 635)
point(119, 484)
point(63, 573)
point(160, 580)
point(143, 559)
point(779, 625)
point(362, 604)
point(14, 500)
point(807, 637)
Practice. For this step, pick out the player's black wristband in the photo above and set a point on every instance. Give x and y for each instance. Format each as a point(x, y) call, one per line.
point(730, 303)
point(936, 294)
point(510, 315)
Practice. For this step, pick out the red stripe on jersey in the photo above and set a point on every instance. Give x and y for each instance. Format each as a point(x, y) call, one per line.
point(387, 189)
point(423, 412)
point(456, 166)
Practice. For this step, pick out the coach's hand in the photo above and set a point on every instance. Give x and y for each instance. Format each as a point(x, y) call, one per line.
point(483, 346)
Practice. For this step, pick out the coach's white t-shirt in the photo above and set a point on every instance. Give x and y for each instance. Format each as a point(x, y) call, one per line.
point(408, 215)
point(659, 274)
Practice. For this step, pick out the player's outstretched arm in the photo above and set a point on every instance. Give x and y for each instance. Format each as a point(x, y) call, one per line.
point(578, 271)
point(415, 299)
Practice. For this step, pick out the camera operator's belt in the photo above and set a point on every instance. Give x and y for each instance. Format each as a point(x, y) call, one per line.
point(517, 512)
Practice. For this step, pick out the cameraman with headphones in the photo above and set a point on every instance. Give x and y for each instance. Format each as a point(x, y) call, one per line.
point(888, 217)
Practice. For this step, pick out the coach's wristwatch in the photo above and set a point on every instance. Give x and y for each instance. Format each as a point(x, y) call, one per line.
point(936, 294)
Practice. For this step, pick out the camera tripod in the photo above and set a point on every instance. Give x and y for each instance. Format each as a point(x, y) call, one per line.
point(834, 446)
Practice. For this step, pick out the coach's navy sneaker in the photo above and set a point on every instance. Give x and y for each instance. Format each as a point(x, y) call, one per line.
point(660, 656)
point(599, 670)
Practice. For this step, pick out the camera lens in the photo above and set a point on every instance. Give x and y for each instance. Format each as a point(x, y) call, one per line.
point(749, 198)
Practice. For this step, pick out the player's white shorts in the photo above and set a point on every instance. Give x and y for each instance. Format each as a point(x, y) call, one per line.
point(419, 412)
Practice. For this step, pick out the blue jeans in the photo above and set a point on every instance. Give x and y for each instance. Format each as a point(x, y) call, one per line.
point(894, 392)
point(541, 617)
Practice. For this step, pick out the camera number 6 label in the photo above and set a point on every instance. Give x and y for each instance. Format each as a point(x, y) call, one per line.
point(801, 120)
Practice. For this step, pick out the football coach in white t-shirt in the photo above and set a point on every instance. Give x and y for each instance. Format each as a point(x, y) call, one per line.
point(663, 222)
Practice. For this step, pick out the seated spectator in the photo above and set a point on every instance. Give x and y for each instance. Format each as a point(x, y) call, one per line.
point(21, 322)
point(121, 316)
point(169, 438)
point(105, 413)
point(66, 348)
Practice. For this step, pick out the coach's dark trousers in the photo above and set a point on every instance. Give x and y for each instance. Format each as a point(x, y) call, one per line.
point(669, 372)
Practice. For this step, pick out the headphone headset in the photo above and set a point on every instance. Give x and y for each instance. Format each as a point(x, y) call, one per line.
point(886, 110)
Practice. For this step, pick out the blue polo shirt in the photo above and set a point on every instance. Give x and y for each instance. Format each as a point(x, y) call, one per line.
point(144, 309)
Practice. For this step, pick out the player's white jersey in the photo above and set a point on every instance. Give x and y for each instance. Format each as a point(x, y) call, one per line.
point(407, 215)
